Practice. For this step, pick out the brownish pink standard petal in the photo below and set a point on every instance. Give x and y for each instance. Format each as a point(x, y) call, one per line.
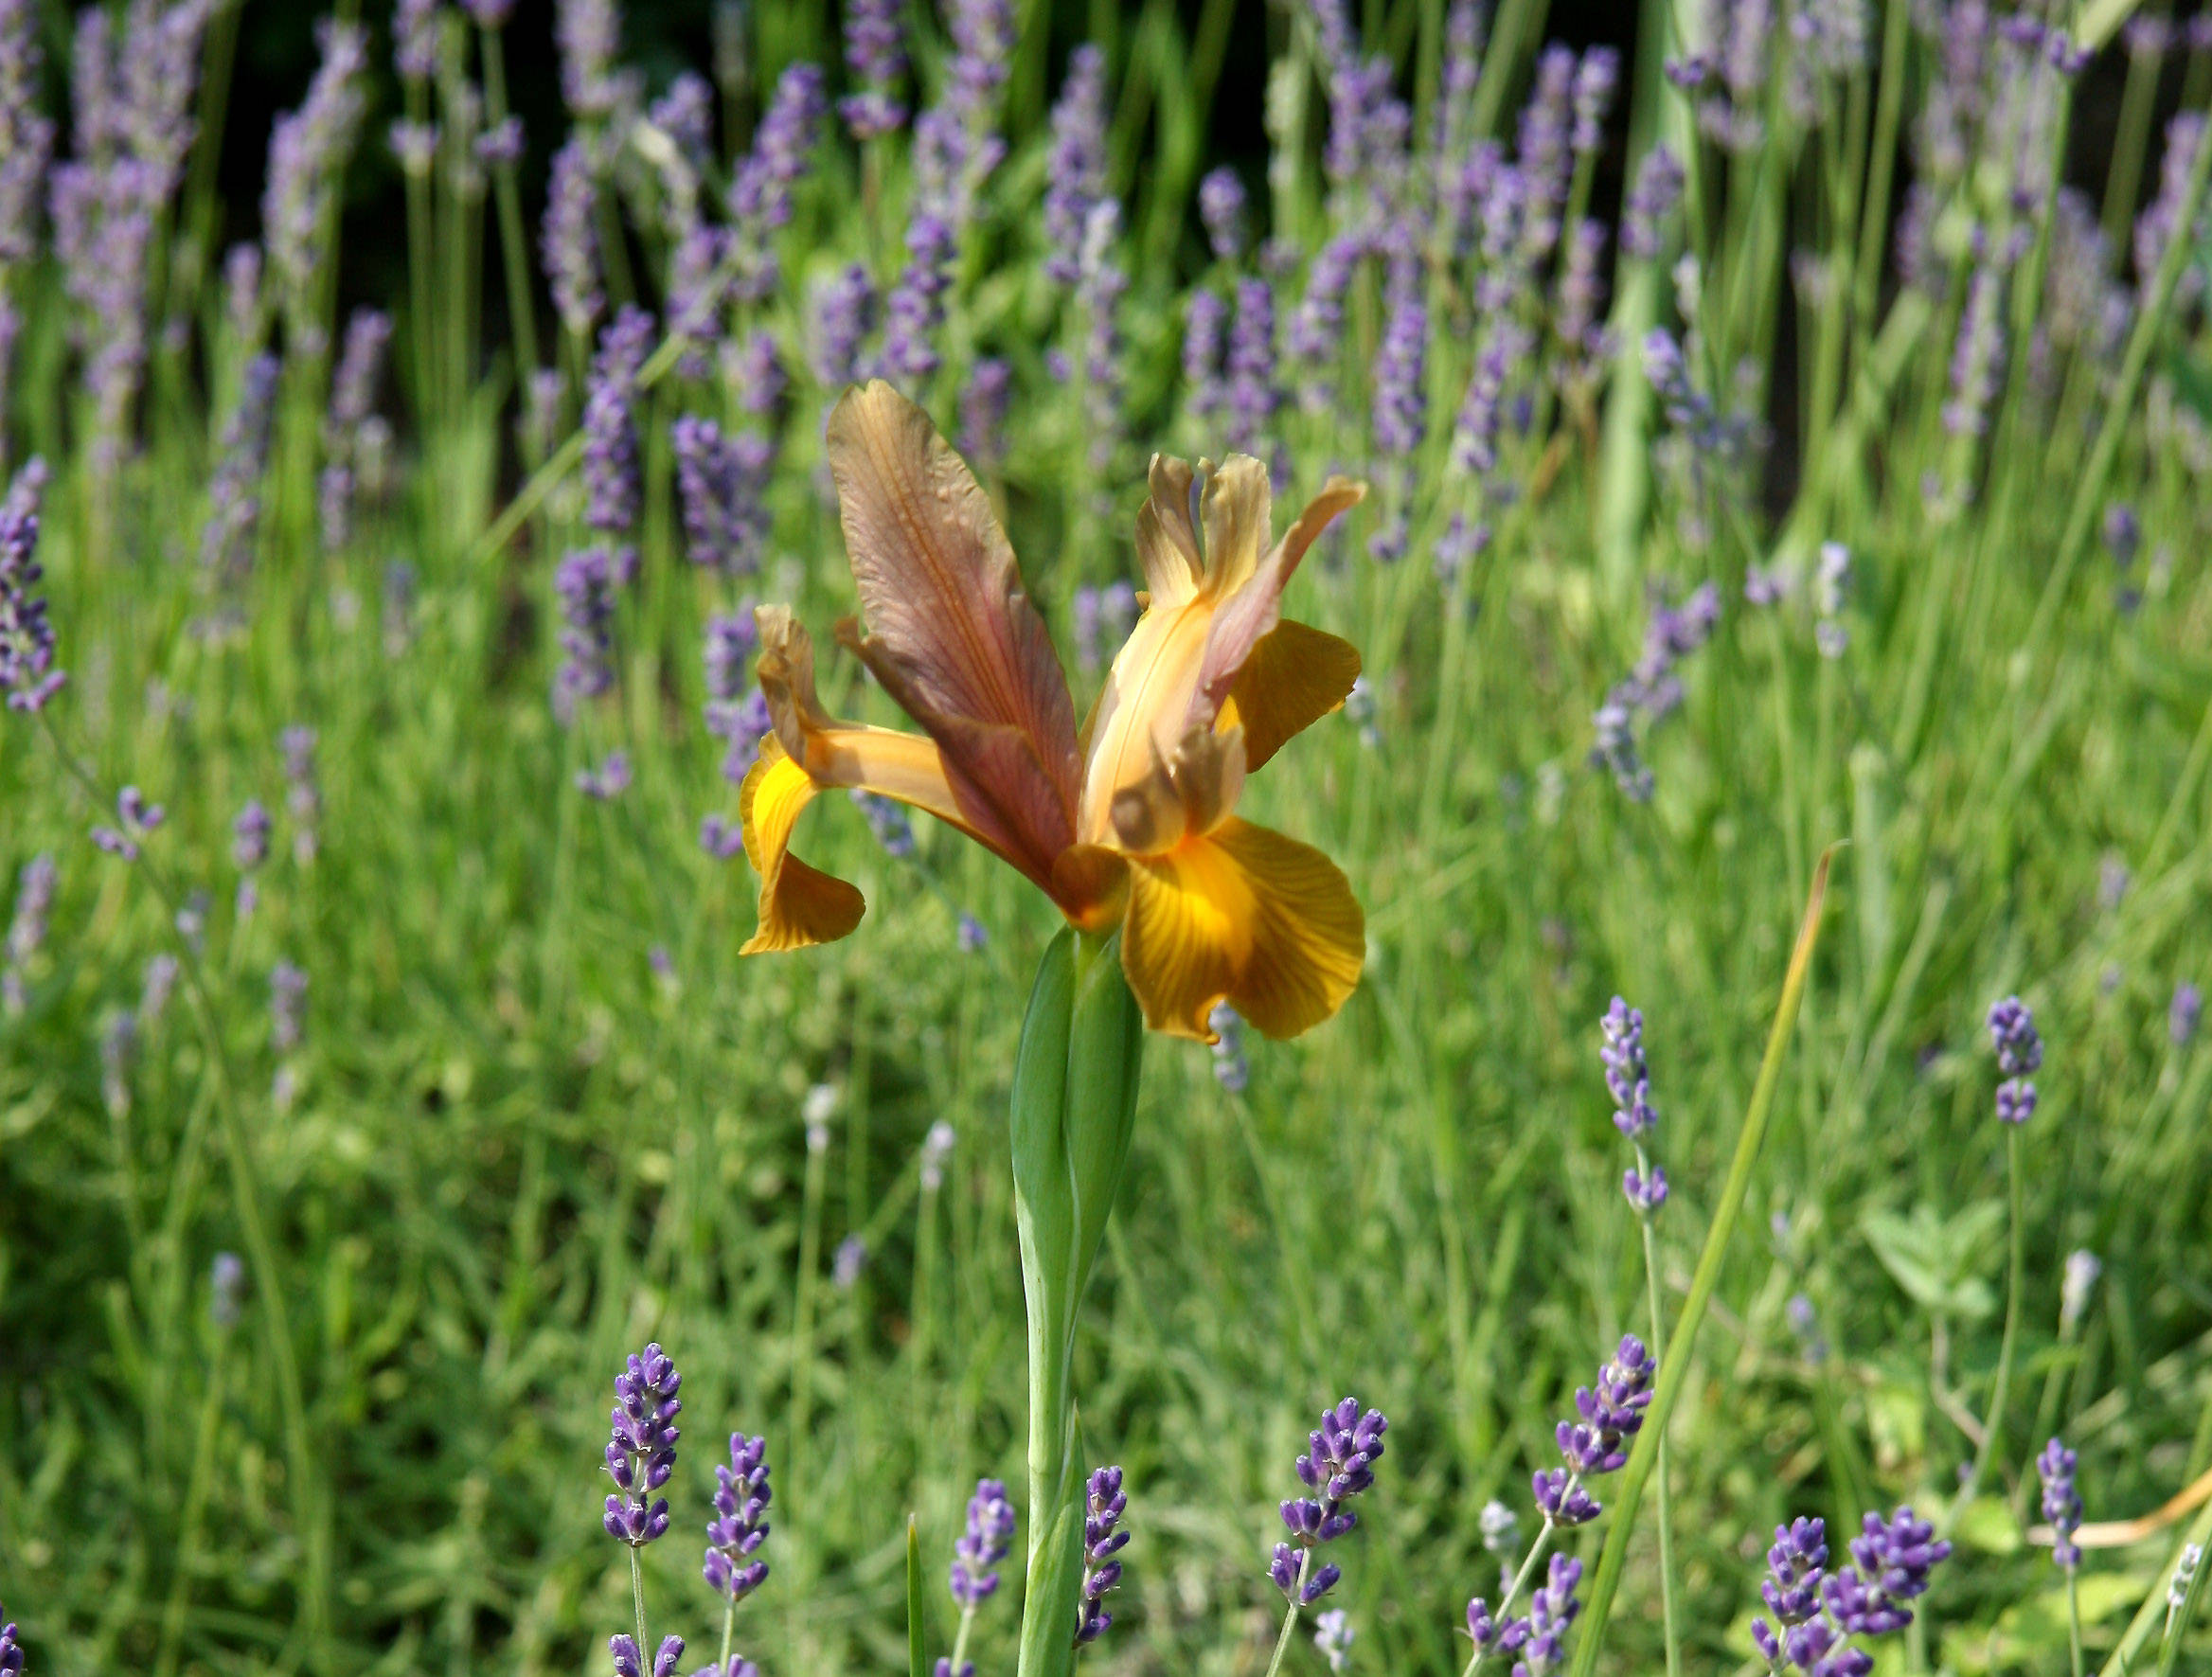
point(952, 633)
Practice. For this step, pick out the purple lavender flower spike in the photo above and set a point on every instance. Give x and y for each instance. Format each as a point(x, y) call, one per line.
point(1540, 1639)
point(1253, 395)
point(569, 240)
point(1651, 201)
point(589, 34)
point(983, 1546)
point(2020, 1051)
point(2185, 1015)
point(1076, 168)
point(722, 482)
point(234, 493)
point(607, 780)
point(983, 414)
point(1231, 1069)
point(1893, 1560)
point(1611, 1412)
point(610, 450)
point(1545, 153)
point(27, 930)
point(875, 52)
point(1595, 78)
point(1205, 325)
point(27, 136)
point(27, 675)
point(11, 1650)
point(742, 1495)
point(1337, 1466)
point(889, 821)
point(414, 39)
point(760, 197)
point(623, 1650)
point(287, 1001)
point(1104, 1504)
point(1220, 208)
point(1977, 361)
point(723, 840)
point(642, 1453)
point(1627, 1077)
point(352, 404)
point(586, 584)
point(842, 313)
point(308, 150)
point(2061, 1503)
point(916, 308)
point(1316, 328)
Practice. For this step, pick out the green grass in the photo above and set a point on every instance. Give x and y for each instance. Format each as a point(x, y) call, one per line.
point(515, 1150)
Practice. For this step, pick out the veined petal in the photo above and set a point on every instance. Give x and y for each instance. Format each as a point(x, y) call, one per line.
point(952, 636)
point(1294, 676)
point(1247, 615)
point(1140, 716)
point(1237, 507)
point(1166, 546)
point(1246, 915)
point(799, 905)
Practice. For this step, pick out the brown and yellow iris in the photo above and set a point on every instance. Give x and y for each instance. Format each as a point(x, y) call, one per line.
point(1131, 820)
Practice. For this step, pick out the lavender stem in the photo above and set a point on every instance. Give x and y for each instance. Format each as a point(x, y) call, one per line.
point(1669, 1622)
point(1537, 1545)
point(1291, 1615)
point(637, 1595)
point(2016, 1276)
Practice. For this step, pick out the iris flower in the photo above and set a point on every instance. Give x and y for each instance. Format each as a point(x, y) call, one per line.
point(1128, 821)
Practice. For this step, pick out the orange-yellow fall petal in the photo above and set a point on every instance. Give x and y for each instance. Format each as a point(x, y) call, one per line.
point(1294, 676)
point(799, 905)
point(1242, 914)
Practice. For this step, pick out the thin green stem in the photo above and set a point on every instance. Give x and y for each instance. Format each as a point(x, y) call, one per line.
point(1669, 1607)
point(1282, 1641)
point(2016, 1278)
point(638, 1601)
point(2073, 1616)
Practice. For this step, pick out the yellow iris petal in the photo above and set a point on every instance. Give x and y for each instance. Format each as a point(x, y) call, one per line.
point(1294, 676)
point(1242, 914)
point(799, 905)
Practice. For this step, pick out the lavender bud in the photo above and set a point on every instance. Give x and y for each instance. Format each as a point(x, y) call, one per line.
point(2061, 1503)
point(585, 584)
point(740, 1526)
point(1333, 1637)
point(642, 1453)
point(1076, 179)
point(27, 675)
point(2184, 1015)
point(569, 240)
point(607, 781)
point(1103, 1504)
point(1220, 208)
point(308, 150)
point(610, 450)
point(983, 414)
point(1206, 323)
point(287, 1002)
point(1231, 1069)
point(226, 1280)
point(722, 482)
point(234, 493)
point(875, 52)
point(589, 34)
point(983, 1546)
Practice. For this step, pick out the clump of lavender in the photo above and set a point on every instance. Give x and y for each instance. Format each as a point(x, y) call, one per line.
point(1104, 1503)
point(2183, 1014)
point(1628, 1080)
point(308, 150)
point(983, 414)
point(2055, 1467)
point(610, 449)
point(1611, 1413)
point(568, 241)
point(607, 780)
point(642, 1453)
point(135, 818)
point(287, 1002)
point(1076, 177)
point(740, 1526)
point(1817, 1611)
point(875, 52)
point(27, 675)
point(249, 850)
point(842, 313)
point(26, 930)
point(1231, 1069)
point(1652, 690)
point(1338, 1465)
point(2020, 1051)
point(352, 404)
point(722, 482)
point(586, 584)
point(760, 197)
point(234, 493)
point(977, 1556)
point(303, 802)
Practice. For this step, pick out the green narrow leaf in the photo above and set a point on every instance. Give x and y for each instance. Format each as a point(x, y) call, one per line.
point(1682, 1338)
point(916, 1654)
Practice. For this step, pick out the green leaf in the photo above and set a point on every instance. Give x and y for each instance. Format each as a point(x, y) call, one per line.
point(917, 1654)
point(1935, 1260)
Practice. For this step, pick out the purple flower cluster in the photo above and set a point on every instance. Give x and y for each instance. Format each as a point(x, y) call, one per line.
point(352, 407)
point(1076, 169)
point(1817, 1611)
point(610, 431)
point(1628, 1080)
point(1538, 1639)
point(642, 1453)
point(841, 314)
point(26, 140)
point(983, 414)
point(759, 200)
point(740, 1525)
point(875, 52)
point(27, 675)
point(287, 1004)
point(1650, 201)
point(1315, 334)
point(1399, 402)
point(1253, 395)
point(736, 714)
point(308, 150)
point(721, 483)
point(2061, 1501)
point(27, 929)
point(134, 819)
point(622, 1649)
point(1231, 1069)
point(589, 34)
point(887, 819)
point(2020, 1052)
point(1103, 618)
point(234, 493)
point(1611, 1413)
point(1221, 208)
point(568, 239)
point(983, 1546)
point(604, 781)
point(1652, 690)
point(11, 1650)
point(1103, 1504)
point(2183, 1014)
point(586, 584)
point(1338, 1465)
